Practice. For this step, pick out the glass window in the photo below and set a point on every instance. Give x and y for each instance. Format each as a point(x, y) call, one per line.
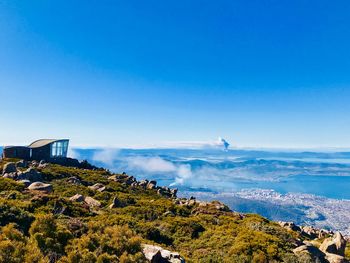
point(59, 149)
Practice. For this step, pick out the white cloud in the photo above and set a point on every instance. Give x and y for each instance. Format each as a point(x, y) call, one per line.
point(72, 153)
point(106, 156)
point(151, 164)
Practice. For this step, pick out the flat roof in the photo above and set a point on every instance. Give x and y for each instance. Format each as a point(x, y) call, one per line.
point(43, 142)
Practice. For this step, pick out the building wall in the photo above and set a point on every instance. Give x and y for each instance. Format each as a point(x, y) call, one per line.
point(19, 152)
point(41, 153)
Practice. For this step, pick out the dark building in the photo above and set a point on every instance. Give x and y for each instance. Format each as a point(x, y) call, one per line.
point(44, 149)
point(21, 152)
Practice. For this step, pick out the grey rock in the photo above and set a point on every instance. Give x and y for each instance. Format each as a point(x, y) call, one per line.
point(98, 187)
point(334, 245)
point(333, 258)
point(143, 183)
point(10, 176)
point(156, 254)
point(116, 203)
point(151, 185)
point(290, 226)
point(74, 180)
point(30, 174)
point(39, 186)
point(9, 168)
point(77, 198)
point(312, 251)
point(22, 164)
point(91, 202)
point(25, 182)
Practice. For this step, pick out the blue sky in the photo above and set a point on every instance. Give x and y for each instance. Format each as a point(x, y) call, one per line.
point(144, 73)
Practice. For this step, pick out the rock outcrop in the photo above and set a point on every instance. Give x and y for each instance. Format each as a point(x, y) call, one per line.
point(39, 186)
point(30, 174)
point(334, 245)
point(91, 202)
point(98, 187)
point(156, 254)
point(116, 203)
point(22, 164)
point(9, 168)
point(332, 250)
point(77, 198)
point(145, 184)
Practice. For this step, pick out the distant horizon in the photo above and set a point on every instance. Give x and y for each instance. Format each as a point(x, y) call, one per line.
point(197, 146)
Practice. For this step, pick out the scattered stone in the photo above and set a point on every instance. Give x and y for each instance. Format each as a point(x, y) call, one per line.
point(334, 245)
point(9, 168)
point(92, 202)
point(34, 164)
point(143, 183)
point(30, 174)
point(22, 164)
point(323, 233)
point(123, 178)
point(313, 252)
point(151, 185)
point(156, 254)
point(333, 258)
point(39, 186)
point(77, 198)
point(116, 203)
point(310, 232)
point(25, 182)
point(74, 180)
point(289, 226)
point(98, 187)
point(10, 176)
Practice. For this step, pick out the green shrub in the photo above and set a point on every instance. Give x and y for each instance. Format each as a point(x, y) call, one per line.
point(9, 213)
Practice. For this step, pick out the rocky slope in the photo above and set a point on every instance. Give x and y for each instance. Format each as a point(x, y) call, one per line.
point(55, 213)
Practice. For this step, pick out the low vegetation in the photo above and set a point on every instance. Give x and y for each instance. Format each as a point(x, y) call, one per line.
point(49, 227)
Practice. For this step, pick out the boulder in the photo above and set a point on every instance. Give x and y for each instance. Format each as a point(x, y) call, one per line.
point(116, 203)
point(173, 192)
point(39, 186)
point(333, 258)
point(34, 164)
point(22, 164)
point(334, 245)
point(98, 187)
point(25, 182)
point(156, 254)
point(92, 202)
point(310, 232)
point(123, 178)
point(9, 168)
point(74, 180)
point(289, 226)
point(77, 198)
point(151, 185)
point(30, 174)
point(10, 176)
point(311, 251)
point(143, 183)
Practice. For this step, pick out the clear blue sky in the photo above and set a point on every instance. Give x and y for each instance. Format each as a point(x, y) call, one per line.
point(128, 73)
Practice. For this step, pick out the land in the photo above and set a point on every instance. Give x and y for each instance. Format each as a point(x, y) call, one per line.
point(303, 209)
point(58, 213)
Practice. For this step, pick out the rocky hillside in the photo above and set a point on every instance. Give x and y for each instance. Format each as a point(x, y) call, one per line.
point(55, 213)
